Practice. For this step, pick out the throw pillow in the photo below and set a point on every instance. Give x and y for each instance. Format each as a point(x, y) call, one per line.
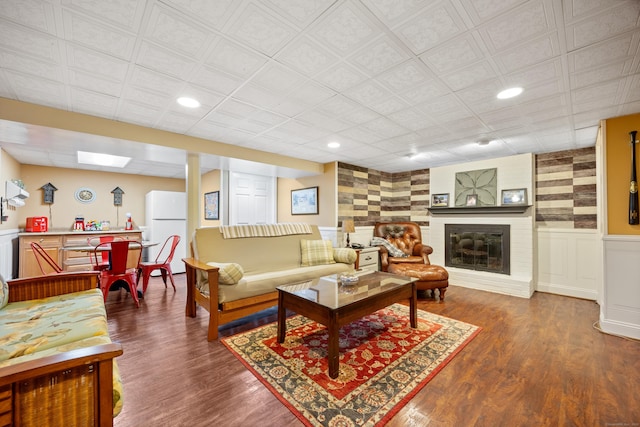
point(344, 255)
point(230, 273)
point(316, 252)
point(4, 292)
point(393, 251)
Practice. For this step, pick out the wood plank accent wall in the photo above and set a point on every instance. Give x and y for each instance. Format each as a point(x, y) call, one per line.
point(566, 189)
point(565, 192)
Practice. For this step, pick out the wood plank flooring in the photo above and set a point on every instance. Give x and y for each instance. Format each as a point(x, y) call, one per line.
point(537, 362)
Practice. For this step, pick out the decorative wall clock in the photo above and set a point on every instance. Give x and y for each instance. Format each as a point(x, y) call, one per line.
point(85, 195)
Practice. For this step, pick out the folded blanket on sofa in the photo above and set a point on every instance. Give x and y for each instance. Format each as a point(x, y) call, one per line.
point(263, 230)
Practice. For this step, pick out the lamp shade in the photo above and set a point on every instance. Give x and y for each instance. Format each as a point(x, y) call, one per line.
point(348, 226)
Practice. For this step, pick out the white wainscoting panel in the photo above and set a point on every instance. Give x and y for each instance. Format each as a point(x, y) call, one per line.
point(568, 262)
point(620, 310)
point(8, 256)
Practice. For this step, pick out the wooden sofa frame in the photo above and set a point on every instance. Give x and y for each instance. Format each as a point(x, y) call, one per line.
point(226, 312)
point(32, 392)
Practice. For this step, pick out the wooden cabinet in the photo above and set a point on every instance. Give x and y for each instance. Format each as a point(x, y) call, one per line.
point(28, 264)
point(367, 258)
point(69, 250)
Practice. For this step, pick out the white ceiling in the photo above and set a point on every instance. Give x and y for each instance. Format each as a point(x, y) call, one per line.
point(385, 78)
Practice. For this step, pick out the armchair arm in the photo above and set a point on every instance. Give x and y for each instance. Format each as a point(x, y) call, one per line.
point(423, 251)
point(384, 258)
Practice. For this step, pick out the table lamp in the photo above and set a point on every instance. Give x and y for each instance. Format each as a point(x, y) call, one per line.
point(348, 227)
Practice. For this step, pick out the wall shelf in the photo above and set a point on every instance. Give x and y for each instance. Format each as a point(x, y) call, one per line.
point(480, 210)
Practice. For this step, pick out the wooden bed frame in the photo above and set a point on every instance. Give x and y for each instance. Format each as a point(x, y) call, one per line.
point(72, 388)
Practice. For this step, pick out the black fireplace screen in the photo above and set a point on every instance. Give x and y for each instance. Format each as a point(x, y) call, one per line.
point(480, 247)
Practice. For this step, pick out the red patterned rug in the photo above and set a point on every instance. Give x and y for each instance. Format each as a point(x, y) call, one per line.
point(383, 364)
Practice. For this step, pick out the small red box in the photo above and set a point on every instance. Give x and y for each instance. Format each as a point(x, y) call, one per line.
point(37, 223)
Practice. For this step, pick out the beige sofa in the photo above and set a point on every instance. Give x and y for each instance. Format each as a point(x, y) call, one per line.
point(265, 260)
point(57, 362)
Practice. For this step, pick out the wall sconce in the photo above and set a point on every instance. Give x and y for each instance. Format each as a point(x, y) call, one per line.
point(348, 227)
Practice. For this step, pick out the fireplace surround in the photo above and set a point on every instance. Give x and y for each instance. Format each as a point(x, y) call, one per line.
point(481, 247)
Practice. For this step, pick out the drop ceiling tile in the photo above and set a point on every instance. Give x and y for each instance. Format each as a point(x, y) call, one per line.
point(431, 27)
point(98, 104)
point(531, 20)
point(307, 56)
point(235, 59)
point(469, 76)
point(165, 61)
point(337, 105)
point(427, 91)
point(97, 36)
point(368, 93)
point(216, 80)
point(341, 77)
point(34, 14)
point(289, 107)
point(267, 118)
point(595, 92)
point(394, 11)
point(576, 9)
point(530, 53)
point(213, 13)
point(344, 29)
point(125, 14)
point(322, 120)
point(277, 78)
point(28, 65)
point(360, 115)
point(539, 72)
point(483, 92)
point(598, 75)
point(99, 64)
point(173, 121)
point(151, 80)
point(612, 50)
point(407, 75)
point(135, 112)
point(26, 87)
point(39, 44)
point(441, 105)
point(236, 108)
point(301, 12)
point(176, 32)
point(261, 30)
point(454, 54)
point(378, 56)
point(384, 127)
point(622, 18)
point(388, 106)
point(482, 10)
point(361, 134)
point(411, 118)
point(310, 93)
point(94, 83)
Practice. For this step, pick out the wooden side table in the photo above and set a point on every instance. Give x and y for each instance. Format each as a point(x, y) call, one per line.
point(367, 258)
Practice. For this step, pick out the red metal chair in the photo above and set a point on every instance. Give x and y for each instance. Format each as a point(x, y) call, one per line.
point(42, 257)
point(117, 269)
point(104, 261)
point(162, 263)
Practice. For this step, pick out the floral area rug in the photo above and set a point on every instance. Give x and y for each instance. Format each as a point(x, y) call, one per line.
point(383, 364)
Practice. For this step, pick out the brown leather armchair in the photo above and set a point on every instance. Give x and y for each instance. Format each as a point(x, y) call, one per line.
point(407, 238)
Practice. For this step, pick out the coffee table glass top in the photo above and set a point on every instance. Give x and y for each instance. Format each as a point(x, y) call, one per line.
point(328, 291)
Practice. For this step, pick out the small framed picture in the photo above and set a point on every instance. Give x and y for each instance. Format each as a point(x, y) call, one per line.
point(440, 200)
point(472, 200)
point(514, 197)
point(212, 205)
point(304, 201)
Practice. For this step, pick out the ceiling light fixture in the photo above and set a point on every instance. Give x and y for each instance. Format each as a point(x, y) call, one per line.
point(333, 145)
point(413, 156)
point(101, 159)
point(510, 93)
point(188, 102)
point(484, 141)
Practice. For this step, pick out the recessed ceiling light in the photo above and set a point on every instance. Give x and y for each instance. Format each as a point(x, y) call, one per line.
point(413, 156)
point(100, 159)
point(188, 102)
point(333, 144)
point(510, 93)
point(484, 141)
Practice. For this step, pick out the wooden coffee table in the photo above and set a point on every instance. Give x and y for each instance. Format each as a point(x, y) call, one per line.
point(334, 305)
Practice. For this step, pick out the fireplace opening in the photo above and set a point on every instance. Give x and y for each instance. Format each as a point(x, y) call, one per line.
point(482, 247)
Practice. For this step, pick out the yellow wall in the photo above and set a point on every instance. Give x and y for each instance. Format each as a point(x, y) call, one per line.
point(209, 182)
point(618, 173)
point(9, 169)
point(327, 184)
point(66, 207)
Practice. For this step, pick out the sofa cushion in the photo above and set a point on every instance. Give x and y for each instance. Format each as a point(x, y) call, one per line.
point(345, 255)
point(316, 252)
point(230, 273)
point(4, 292)
point(27, 325)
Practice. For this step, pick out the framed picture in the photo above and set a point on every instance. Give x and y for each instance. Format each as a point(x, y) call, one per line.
point(440, 200)
point(472, 199)
point(514, 197)
point(304, 201)
point(212, 205)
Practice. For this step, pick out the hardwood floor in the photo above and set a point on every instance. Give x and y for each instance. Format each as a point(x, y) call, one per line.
point(537, 362)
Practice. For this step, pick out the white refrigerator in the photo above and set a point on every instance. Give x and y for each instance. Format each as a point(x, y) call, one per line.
point(165, 215)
